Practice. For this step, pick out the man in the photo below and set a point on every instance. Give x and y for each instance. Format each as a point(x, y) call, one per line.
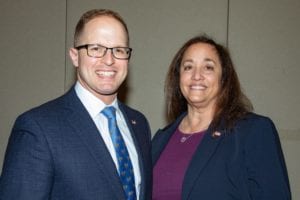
point(64, 149)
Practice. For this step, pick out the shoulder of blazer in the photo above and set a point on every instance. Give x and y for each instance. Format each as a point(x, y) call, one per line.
point(130, 111)
point(134, 116)
point(253, 121)
point(68, 101)
point(173, 125)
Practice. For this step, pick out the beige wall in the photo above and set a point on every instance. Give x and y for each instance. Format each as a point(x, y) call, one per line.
point(263, 37)
point(32, 57)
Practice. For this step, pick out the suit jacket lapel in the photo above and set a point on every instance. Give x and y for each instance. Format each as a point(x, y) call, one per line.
point(133, 126)
point(202, 155)
point(87, 131)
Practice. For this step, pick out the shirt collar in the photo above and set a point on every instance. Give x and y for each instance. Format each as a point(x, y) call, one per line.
point(93, 104)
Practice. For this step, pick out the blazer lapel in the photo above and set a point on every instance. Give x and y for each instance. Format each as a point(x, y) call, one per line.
point(84, 127)
point(134, 128)
point(202, 155)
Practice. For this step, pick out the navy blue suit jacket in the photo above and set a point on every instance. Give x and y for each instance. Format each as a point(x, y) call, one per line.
point(242, 164)
point(56, 152)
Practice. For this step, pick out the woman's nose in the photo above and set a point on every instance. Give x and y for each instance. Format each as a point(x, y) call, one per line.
point(197, 74)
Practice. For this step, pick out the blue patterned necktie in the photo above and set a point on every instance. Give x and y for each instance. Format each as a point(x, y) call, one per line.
point(124, 162)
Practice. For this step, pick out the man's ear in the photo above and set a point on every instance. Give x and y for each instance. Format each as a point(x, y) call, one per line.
point(73, 53)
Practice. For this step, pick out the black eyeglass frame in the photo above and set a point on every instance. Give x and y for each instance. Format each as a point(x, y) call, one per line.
point(85, 46)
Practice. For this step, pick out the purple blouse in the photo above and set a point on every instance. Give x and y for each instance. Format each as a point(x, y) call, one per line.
point(170, 168)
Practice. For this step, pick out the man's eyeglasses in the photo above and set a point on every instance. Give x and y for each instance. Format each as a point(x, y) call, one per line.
point(98, 51)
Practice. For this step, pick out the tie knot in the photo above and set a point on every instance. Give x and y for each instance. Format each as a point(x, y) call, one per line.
point(109, 112)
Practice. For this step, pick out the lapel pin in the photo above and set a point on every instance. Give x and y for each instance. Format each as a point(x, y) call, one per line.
point(133, 121)
point(216, 134)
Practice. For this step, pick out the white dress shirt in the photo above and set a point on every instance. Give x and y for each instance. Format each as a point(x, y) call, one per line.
point(94, 106)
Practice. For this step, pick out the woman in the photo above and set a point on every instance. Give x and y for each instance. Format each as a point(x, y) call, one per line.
point(215, 148)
